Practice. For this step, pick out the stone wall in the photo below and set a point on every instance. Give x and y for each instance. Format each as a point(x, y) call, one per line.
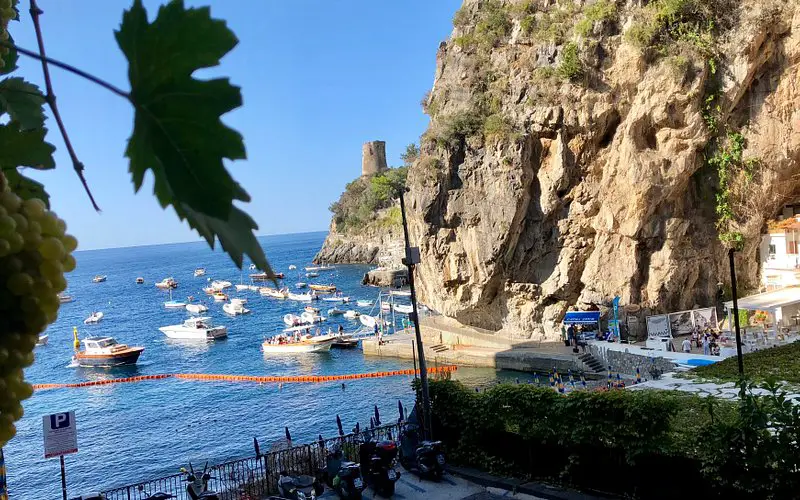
point(373, 157)
point(626, 363)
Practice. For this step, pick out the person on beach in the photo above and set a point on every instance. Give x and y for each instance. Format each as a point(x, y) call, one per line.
point(686, 345)
point(706, 345)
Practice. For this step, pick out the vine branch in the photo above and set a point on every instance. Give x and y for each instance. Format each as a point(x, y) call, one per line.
point(51, 101)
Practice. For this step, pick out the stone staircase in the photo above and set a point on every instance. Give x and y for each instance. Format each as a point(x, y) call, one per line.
point(592, 362)
point(439, 348)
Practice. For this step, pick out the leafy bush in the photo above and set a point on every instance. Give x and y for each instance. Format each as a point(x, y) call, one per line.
point(571, 67)
point(601, 10)
point(410, 155)
point(663, 22)
point(622, 441)
point(364, 197)
point(496, 125)
point(451, 130)
point(492, 26)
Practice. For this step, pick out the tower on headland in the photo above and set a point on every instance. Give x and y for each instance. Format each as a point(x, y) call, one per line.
point(373, 158)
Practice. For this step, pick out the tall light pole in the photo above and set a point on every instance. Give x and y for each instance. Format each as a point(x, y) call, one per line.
point(411, 259)
point(736, 314)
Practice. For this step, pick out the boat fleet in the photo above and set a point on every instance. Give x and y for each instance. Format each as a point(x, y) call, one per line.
point(105, 351)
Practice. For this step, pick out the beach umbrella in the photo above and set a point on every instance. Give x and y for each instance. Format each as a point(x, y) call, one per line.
point(377, 416)
point(288, 436)
point(255, 445)
point(400, 409)
point(339, 425)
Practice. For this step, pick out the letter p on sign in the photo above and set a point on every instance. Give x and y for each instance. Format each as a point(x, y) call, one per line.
point(60, 434)
point(59, 420)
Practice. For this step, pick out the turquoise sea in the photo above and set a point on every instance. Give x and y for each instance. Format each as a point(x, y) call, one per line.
point(138, 431)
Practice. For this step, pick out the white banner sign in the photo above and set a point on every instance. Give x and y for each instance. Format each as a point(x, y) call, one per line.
point(60, 434)
point(658, 326)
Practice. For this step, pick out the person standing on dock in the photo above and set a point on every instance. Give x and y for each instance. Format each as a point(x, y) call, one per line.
point(686, 345)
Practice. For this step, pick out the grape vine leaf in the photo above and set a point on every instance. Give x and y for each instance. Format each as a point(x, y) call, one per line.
point(25, 187)
point(23, 102)
point(178, 133)
point(25, 148)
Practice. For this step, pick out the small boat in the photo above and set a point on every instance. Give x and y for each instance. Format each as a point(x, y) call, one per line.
point(300, 284)
point(266, 277)
point(200, 271)
point(306, 343)
point(195, 329)
point(241, 288)
point(253, 288)
point(240, 300)
point(323, 288)
point(99, 278)
point(94, 318)
point(303, 297)
point(351, 314)
point(140, 281)
point(312, 275)
point(105, 351)
point(220, 297)
point(345, 341)
point(220, 285)
point(235, 308)
point(371, 321)
point(196, 308)
point(253, 267)
point(364, 303)
point(337, 298)
point(292, 267)
point(292, 320)
point(320, 268)
point(64, 298)
point(311, 309)
point(174, 304)
point(335, 312)
point(42, 340)
point(167, 284)
point(385, 306)
point(209, 290)
point(309, 317)
point(404, 308)
point(400, 293)
point(275, 294)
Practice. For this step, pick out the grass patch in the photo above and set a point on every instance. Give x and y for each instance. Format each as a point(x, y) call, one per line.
point(781, 363)
point(601, 10)
point(492, 26)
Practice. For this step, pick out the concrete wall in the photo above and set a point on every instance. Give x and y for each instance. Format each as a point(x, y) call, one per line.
point(373, 157)
point(626, 362)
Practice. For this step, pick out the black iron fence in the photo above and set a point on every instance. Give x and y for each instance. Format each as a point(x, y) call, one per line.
point(256, 477)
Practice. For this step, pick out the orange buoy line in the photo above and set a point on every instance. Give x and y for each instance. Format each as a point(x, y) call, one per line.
point(247, 378)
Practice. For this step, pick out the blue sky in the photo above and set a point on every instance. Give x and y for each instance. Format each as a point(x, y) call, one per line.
point(319, 78)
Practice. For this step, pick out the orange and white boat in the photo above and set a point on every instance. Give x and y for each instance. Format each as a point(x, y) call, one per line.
point(105, 351)
point(323, 288)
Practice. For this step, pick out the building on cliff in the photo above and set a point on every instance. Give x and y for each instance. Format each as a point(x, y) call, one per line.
point(373, 158)
point(780, 251)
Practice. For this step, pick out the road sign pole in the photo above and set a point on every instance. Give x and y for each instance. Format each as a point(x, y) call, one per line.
point(63, 479)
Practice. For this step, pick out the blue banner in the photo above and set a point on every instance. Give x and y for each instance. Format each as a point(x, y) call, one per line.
point(582, 317)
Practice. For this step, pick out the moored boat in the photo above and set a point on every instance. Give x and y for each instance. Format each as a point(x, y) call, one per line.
point(309, 317)
point(235, 308)
point(99, 278)
point(312, 275)
point(404, 308)
point(345, 341)
point(272, 292)
point(335, 312)
point(195, 329)
point(323, 267)
point(140, 281)
point(200, 271)
point(303, 297)
point(266, 276)
point(42, 340)
point(371, 321)
point(337, 298)
point(167, 283)
point(196, 308)
point(63, 298)
point(301, 284)
point(220, 297)
point(220, 285)
point(351, 314)
point(174, 304)
point(292, 320)
point(298, 344)
point(105, 351)
point(400, 293)
point(364, 303)
point(93, 318)
point(311, 309)
point(323, 288)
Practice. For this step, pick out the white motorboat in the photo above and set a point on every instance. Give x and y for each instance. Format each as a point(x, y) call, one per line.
point(209, 290)
point(371, 321)
point(140, 281)
point(253, 288)
point(220, 297)
point(174, 304)
point(320, 268)
point(241, 288)
point(196, 308)
point(252, 267)
point(200, 271)
point(303, 297)
point(292, 320)
point(335, 312)
point(364, 303)
point(220, 285)
point(351, 314)
point(336, 299)
point(301, 284)
point(272, 292)
point(167, 283)
point(400, 293)
point(404, 308)
point(99, 278)
point(235, 307)
point(385, 306)
point(63, 298)
point(195, 329)
point(105, 352)
point(286, 345)
point(94, 318)
point(309, 317)
point(312, 275)
point(292, 267)
point(42, 340)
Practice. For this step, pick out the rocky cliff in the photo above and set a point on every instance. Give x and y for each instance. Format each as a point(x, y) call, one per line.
point(374, 244)
point(579, 150)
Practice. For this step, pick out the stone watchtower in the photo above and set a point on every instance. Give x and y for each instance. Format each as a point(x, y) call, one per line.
point(373, 158)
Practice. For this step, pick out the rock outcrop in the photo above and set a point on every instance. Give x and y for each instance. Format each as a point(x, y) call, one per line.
point(378, 245)
point(565, 166)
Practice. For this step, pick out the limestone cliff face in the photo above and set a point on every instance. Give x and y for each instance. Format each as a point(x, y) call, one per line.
point(571, 192)
point(375, 244)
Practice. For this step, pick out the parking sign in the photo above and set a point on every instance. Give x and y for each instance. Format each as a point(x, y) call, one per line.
point(60, 434)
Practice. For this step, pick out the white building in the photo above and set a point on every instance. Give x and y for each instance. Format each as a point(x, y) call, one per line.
point(780, 254)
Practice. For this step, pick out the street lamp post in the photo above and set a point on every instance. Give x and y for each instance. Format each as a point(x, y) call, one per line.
point(736, 313)
point(410, 260)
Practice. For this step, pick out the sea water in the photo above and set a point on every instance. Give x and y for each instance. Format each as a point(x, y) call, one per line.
point(138, 431)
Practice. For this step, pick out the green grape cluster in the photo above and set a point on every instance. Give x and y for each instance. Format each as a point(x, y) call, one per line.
point(7, 13)
point(35, 252)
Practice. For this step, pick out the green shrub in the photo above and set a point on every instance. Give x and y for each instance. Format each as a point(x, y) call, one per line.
point(601, 10)
point(451, 130)
point(496, 125)
point(364, 197)
point(571, 67)
point(461, 18)
point(663, 22)
point(781, 363)
point(492, 25)
point(410, 155)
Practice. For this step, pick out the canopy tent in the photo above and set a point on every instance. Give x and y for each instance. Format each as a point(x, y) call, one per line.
point(782, 303)
point(582, 317)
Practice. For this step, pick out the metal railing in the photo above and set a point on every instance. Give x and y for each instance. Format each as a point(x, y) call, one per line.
point(255, 477)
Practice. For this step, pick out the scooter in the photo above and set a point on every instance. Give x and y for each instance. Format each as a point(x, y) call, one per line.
point(197, 489)
point(342, 476)
point(377, 465)
point(300, 487)
point(425, 458)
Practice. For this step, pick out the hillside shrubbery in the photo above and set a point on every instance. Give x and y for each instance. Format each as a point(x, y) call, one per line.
point(363, 198)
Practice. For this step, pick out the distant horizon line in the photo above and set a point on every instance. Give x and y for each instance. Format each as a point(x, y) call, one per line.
point(199, 240)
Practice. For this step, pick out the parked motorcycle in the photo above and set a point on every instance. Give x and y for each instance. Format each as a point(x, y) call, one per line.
point(377, 465)
point(425, 458)
point(197, 489)
point(342, 476)
point(298, 487)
